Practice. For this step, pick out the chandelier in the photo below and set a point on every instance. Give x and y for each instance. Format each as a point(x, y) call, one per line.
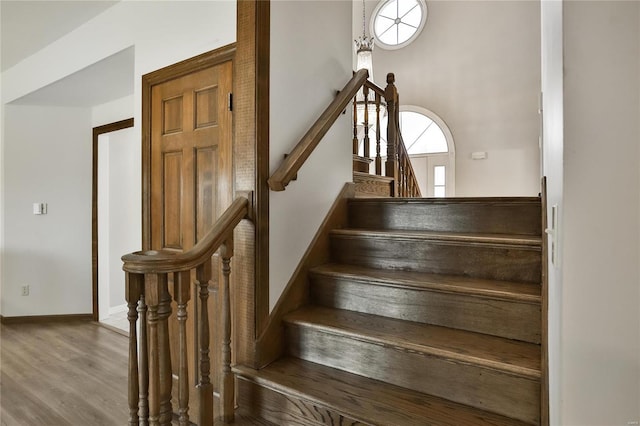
point(364, 60)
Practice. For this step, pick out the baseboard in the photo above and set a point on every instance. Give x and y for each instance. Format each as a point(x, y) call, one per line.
point(45, 318)
point(117, 309)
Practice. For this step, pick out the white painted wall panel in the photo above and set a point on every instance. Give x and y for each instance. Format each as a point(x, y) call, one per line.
point(49, 160)
point(553, 136)
point(310, 60)
point(600, 346)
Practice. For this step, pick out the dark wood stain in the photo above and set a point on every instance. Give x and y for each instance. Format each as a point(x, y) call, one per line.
point(354, 398)
point(429, 312)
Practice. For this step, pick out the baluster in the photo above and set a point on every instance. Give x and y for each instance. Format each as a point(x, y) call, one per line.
point(164, 353)
point(153, 300)
point(226, 382)
point(378, 156)
point(405, 181)
point(391, 165)
point(133, 291)
point(182, 294)
point(205, 388)
point(159, 300)
point(401, 175)
point(144, 363)
point(365, 91)
point(355, 127)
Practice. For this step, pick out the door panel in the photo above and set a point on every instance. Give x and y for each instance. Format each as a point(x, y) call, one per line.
point(190, 185)
point(171, 200)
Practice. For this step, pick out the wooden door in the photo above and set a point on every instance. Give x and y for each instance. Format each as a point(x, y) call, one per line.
point(190, 184)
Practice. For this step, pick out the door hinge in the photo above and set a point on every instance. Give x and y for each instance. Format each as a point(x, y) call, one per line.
point(230, 101)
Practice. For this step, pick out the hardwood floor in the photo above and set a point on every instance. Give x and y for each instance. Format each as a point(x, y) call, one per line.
point(64, 373)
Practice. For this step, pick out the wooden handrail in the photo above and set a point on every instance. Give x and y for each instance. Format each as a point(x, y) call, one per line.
point(164, 261)
point(372, 86)
point(294, 161)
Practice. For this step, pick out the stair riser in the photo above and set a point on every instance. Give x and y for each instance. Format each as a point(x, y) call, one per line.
point(367, 185)
point(489, 218)
point(479, 387)
point(288, 410)
point(488, 261)
point(513, 320)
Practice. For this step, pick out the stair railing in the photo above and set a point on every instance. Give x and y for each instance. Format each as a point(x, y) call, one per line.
point(149, 300)
point(398, 164)
point(405, 180)
point(292, 163)
point(361, 163)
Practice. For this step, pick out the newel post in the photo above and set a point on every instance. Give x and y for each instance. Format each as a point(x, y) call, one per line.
point(391, 165)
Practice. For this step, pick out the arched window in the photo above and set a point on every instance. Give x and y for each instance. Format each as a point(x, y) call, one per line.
point(421, 131)
point(431, 148)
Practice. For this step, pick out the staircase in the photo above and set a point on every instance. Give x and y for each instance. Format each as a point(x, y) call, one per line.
point(429, 313)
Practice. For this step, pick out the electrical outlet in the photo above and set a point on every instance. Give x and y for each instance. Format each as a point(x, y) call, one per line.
point(25, 290)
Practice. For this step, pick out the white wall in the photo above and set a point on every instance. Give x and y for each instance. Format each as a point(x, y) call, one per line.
point(111, 112)
point(119, 213)
point(104, 271)
point(48, 159)
point(162, 33)
point(310, 60)
point(125, 207)
point(600, 325)
point(553, 134)
point(477, 65)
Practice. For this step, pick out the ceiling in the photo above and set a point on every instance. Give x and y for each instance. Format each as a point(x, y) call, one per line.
point(29, 26)
point(104, 81)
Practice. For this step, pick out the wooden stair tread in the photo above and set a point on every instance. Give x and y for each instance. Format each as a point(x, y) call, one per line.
point(508, 356)
point(447, 237)
point(370, 177)
point(451, 200)
point(503, 290)
point(370, 401)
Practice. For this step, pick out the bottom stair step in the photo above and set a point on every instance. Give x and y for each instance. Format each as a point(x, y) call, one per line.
point(241, 419)
point(295, 392)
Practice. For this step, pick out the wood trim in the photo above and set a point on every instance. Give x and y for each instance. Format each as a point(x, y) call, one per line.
point(250, 295)
point(97, 131)
point(544, 311)
point(296, 293)
point(197, 63)
point(41, 319)
point(263, 58)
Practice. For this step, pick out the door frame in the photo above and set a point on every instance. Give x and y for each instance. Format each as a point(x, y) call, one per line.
point(188, 66)
point(97, 131)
